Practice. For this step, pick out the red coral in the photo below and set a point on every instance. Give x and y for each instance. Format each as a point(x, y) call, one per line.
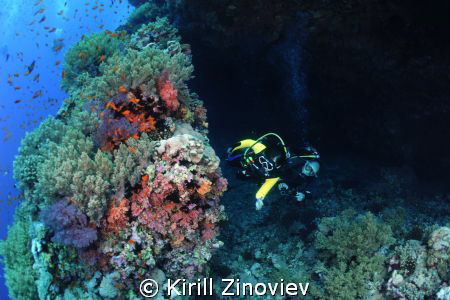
point(154, 208)
point(168, 94)
point(117, 216)
point(208, 234)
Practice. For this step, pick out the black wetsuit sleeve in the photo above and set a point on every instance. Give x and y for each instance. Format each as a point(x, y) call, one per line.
point(292, 176)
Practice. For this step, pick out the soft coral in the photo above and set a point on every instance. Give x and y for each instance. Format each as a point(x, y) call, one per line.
point(69, 225)
point(117, 218)
point(168, 94)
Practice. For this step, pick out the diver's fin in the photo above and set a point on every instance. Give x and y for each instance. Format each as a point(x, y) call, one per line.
point(266, 187)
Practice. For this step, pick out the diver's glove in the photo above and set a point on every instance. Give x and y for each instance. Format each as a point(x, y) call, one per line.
point(300, 196)
point(259, 204)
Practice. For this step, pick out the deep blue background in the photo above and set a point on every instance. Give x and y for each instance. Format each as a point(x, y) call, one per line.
point(20, 36)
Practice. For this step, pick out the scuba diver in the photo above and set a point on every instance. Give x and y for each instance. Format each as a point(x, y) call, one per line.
point(269, 161)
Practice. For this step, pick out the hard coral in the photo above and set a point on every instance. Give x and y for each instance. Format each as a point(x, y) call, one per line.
point(350, 246)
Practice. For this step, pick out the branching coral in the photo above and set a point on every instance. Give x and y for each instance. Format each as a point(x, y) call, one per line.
point(351, 246)
point(350, 236)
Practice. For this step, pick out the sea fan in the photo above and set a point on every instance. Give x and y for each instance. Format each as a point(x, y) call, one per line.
point(69, 225)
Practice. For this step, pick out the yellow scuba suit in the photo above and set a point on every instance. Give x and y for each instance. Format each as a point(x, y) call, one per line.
point(271, 162)
point(255, 147)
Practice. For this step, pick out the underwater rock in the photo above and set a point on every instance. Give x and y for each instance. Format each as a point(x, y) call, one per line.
point(419, 272)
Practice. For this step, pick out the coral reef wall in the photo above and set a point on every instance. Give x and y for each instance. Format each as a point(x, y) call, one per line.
point(122, 184)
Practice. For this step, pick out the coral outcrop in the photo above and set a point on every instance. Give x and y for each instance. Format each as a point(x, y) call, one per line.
point(122, 183)
point(419, 271)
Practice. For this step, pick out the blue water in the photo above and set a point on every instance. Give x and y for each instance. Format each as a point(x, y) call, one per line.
point(21, 44)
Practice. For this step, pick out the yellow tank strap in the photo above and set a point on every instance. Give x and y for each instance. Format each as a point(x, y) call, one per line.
point(258, 147)
point(266, 187)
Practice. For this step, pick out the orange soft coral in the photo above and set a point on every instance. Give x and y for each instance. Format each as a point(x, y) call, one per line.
point(117, 216)
point(204, 188)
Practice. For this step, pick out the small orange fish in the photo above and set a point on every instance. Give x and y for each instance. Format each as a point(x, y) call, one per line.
point(112, 106)
point(57, 48)
point(63, 74)
point(131, 242)
point(37, 94)
point(122, 89)
point(17, 101)
point(126, 113)
point(132, 149)
point(102, 58)
point(169, 206)
point(134, 100)
point(40, 11)
point(17, 88)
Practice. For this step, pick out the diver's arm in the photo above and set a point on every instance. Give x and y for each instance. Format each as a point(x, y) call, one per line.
point(299, 192)
point(264, 190)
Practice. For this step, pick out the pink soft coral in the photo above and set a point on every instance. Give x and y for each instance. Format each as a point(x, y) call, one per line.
point(168, 94)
